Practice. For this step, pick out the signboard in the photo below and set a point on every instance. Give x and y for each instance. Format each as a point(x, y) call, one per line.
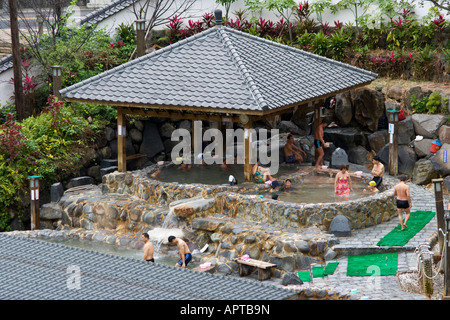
point(391, 128)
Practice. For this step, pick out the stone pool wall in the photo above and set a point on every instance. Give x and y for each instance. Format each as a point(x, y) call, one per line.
point(232, 201)
point(227, 218)
point(139, 184)
point(361, 213)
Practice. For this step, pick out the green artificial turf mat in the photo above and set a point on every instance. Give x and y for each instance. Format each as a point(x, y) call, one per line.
point(304, 276)
point(317, 272)
point(416, 222)
point(330, 268)
point(380, 264)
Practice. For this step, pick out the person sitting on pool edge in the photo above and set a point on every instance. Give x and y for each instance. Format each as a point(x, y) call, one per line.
point(292, 153)
point(183, 250)
point(261, 174)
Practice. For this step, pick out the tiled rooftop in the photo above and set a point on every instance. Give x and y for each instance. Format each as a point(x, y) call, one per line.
point(221, 68)
point(102, 13)
point(32, 269)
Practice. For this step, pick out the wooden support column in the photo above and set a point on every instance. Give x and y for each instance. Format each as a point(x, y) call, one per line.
point(446, 257)
point(316, 122)
point(121, 140)
point(223, 129)
point(393, 142)
point(248, 150)
point(438, 196)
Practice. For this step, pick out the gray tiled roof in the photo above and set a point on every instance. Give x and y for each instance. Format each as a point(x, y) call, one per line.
point(221, 68)
point(102, 13)
point(6, 63)
point(93, 17)
point(33, 269)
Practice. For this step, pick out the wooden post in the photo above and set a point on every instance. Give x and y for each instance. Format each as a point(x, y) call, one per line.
point(247, 150)
point(446, 295)
point(439, 209)
point(222, 126)
point(35, 214)
point(197, 138)
point(121, 141)
point(316, 123)
point(393, 142)
point(19, 98)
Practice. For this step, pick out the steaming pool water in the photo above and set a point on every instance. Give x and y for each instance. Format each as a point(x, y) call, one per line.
point(167, 259)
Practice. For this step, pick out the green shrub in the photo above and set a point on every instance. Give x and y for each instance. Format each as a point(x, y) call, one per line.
point(430, 104)
point(320, 44)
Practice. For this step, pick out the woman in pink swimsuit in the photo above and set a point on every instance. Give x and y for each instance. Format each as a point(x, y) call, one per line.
point(343, 182)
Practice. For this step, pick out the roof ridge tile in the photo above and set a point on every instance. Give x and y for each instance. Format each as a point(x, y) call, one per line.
point(241, 66)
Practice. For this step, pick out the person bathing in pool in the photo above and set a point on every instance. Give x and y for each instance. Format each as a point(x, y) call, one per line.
point(183, 249)
point(372, 187)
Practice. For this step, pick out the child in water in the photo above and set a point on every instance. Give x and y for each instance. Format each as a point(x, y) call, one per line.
point(372, 187)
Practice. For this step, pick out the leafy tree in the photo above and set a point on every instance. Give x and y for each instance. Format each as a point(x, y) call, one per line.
point(357, 7)
point(285, 8)
point(227, 4)
point(319, 6)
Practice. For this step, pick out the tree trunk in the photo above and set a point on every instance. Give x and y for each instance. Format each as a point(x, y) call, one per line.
point(17, 67)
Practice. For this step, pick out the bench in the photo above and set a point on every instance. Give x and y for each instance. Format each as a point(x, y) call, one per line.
point(138, 157)
point(246, 267)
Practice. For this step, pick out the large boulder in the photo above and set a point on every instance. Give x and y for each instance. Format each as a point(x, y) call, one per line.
point(290, 127)
point(369, 106)
point(344, 108)
point(395, 92)
point(378, 139)
point(345, 138)
point(427, 125)
point(422, 147)
point(424, 172)
point(358, 155)
point(406, 132)
point(440, 163)
point(444, 134)
point(406, 159)
point(152, 143)
point(340, 226)
point(417, 92)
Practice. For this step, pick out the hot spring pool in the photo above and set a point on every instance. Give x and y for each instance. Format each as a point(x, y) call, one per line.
point(120, 251)
point(318, 189)
point(212, 174)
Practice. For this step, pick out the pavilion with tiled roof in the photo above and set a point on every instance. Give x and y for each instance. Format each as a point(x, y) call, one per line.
point(215, 74)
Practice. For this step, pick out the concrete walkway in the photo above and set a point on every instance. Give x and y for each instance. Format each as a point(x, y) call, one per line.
point(364, 242)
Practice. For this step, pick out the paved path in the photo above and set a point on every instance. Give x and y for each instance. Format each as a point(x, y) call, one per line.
point(364, 242)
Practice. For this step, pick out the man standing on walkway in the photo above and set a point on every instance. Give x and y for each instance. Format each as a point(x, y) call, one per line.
point(148, 248)
point(319, 143)
point(404, 203)
point(185, 253)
